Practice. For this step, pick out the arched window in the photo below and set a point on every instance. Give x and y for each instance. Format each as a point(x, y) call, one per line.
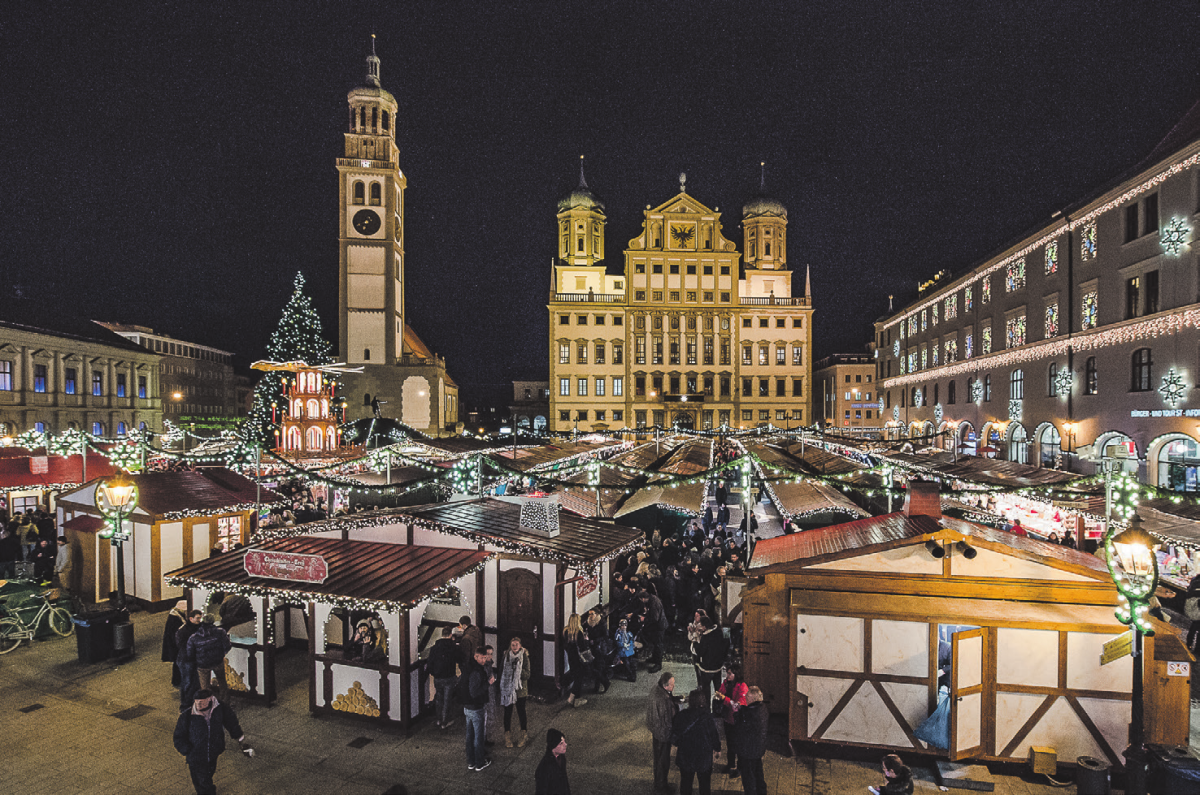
point(936, 391)
point(297, 409)
point(121, 429)
point(40, 427)
point(1050, 446)
point(353, 116)
point(1016, 385)
point(359, 193)
point(1018, 445)
point(374, 119)
point(1051, 378)
point(141, 426)
point(331, 438)
point(362, 118)
point(385, 120)
point(366, 398)
point(312, 439)
point(987, 388)
point(889, 399)
point(951, 393)
point(313, 409)
point(97, 429)
point(1090, 381)
point(1179, 466)
point(366, 354)
point(376, 194)
point(914, 397)
point(293, 439)
point(1139, 380)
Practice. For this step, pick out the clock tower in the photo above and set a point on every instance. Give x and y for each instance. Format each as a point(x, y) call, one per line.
point(371, 228)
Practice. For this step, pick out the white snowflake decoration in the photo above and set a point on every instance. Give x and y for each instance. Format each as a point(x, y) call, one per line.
point(916, 398)
point(125, 455)
point(31, 439)
point(895, 413)
point(938, 413)
point(1174, 236)
point(1014, 409)
point(977, 392)
point(1063, 382)
point(1172, 388)
point(896, 348)
point(172, 433)
point(71, 442)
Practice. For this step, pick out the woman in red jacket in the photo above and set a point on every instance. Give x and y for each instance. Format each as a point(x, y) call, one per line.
point(730, 697)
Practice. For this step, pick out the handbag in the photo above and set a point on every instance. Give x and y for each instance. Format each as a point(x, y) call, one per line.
point(585, 654)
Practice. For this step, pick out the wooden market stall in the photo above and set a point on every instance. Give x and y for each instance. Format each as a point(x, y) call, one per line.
point(316, 590)
point(180, 518)
point(859, 631)
point(547, 565)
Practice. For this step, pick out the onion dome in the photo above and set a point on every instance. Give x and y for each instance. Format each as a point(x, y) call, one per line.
point(762, 204)
point(582, 197)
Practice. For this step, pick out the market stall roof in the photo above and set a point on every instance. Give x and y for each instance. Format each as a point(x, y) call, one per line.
point(395, 576)
point(528, 459)
point(687, 497)
point(400, 476)
point(1171, 520)
point(819, 461)
point(209, 490)
point(495, 521)
point(893, 530)
point(34, 469)
point(84, 524)
point(984, 470)
point(811, 496)
point(689, 458)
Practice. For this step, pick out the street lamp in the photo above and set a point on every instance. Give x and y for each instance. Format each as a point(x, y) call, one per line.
point(116, 498)
point(1134, 568)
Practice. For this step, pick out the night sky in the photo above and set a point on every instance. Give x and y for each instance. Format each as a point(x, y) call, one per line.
point(172, 165)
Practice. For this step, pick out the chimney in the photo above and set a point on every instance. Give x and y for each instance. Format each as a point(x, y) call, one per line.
point(539, 516)
point(923, 499)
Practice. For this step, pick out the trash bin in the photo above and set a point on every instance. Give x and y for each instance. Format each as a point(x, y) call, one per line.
point(122, 638)
point(1173, 770)
point(1092, 776)
point(94, 634)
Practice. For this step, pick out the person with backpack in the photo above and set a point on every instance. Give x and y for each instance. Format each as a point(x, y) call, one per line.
point(474, 689)
point(443, 663)
point(206, 649)
point(709, 653)
point(697, 743)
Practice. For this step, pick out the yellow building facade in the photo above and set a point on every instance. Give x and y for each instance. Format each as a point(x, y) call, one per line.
point(689, 334)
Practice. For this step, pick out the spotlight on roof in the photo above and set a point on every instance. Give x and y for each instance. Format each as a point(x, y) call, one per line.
point(966, 550)
point(935, 549)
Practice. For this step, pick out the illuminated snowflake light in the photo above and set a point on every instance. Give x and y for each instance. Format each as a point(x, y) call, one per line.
point(896, 348)
point(895, 413)
point(1063, 382)
point(1172, 388)
point(1174, 236)
point(938, 413)
point(1014, 409)
point(976, 391)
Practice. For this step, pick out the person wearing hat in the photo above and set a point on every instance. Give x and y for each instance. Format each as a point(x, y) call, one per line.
point(625, 650)
point(551, 775)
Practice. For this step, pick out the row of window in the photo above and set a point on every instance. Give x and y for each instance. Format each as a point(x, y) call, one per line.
point(98, 428)
point(690, 270)
point(659, 416)
point(600, 355)
point(678, 351)
point(690, 384)
point(361, 122)
point(1141, 379)
point(595, 320)
point(180, 349)
point(675, 323)
point(359, 193)
point(71, 386)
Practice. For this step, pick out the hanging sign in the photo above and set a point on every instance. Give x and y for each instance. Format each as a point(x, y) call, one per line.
point(1118, 647)
point(291, 566)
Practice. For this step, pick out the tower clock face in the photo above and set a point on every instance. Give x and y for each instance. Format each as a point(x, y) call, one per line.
point(366, 222)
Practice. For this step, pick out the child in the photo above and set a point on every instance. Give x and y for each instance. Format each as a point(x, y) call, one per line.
point(626, 650)
point(898, 778)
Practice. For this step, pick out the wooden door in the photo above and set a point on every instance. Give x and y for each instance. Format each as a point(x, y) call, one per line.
point(966, 693)
point(520, 612)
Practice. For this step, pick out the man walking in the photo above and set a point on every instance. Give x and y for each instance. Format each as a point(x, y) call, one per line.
point(207, 649)
point(473, 689)
point(200, 737)
point(750, 737)
point(444, 660)
point(710, 651)
point(653, 629)
point(659, 715)
point(188, 682)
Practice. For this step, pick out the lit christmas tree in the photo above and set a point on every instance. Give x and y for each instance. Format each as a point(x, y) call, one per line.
point(299, 337)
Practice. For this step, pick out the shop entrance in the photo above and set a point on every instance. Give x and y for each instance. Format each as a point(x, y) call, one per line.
point(961, 655)
point(520, 612)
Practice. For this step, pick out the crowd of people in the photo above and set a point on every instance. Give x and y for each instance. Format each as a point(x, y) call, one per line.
point(31, 537)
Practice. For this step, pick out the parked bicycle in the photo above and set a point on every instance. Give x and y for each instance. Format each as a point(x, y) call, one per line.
point(14, 628)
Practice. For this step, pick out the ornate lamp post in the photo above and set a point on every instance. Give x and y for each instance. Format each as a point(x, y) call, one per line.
point(116, 498)
point(1134, 568)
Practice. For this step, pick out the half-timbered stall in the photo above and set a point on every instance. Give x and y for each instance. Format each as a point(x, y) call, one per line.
point(180, 518)
point(318, 591)
point(548, 564)
point(859, 632)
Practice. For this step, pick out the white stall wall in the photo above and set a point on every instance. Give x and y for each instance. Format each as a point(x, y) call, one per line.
point(137, 550)
point(170, 549)
point(201, 542)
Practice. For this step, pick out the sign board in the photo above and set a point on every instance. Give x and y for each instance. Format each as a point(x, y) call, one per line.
point(586, 585)
point(1179, 669)
point(39, 464)
point(1118, 647)
point(291, 566)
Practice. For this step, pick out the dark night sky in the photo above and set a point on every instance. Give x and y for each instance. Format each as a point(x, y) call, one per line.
point(173, 164)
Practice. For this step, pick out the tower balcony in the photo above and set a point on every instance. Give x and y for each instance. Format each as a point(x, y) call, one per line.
point(587, 298)
point(772, 300)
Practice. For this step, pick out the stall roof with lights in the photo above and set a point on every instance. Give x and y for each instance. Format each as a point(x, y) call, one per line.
point(390, 575)
point(211, 490)
point(34, 469)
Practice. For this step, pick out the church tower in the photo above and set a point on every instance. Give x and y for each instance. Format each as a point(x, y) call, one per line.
point(764, 226)
point(371, 228)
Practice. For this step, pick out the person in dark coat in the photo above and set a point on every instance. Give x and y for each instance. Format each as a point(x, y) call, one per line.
point(444, 659)
point(750, 739)
point(551, 775)
point(206, 649)
point(10, 550)
point(200, 737)
point(698, 744)
point(653, 629)
point(170, 652)
point(43, 561)
point(189, 680)
point(897, 778)
point(710, 653)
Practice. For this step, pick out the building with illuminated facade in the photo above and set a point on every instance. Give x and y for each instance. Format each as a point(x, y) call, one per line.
point(844, 389)
point(687, 334)
point(398, 368)
point(1082, 334)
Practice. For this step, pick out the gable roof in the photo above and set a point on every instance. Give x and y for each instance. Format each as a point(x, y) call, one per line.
point(878, 533)
point(16, 468)
point(683, 203)
point(210, 490)
point(395, 574)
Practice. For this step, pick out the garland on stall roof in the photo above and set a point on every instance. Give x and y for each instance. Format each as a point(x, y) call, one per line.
point(347, 602)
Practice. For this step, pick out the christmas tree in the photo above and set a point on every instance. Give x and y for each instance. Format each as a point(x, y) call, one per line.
point(299, 337)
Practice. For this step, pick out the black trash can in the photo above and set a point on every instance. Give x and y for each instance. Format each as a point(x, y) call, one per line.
point(1092, 776)
point(94, 634)
point(122, 638)
point(1173, 770)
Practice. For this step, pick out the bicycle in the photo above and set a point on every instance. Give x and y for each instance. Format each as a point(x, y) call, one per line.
point(14, 628)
